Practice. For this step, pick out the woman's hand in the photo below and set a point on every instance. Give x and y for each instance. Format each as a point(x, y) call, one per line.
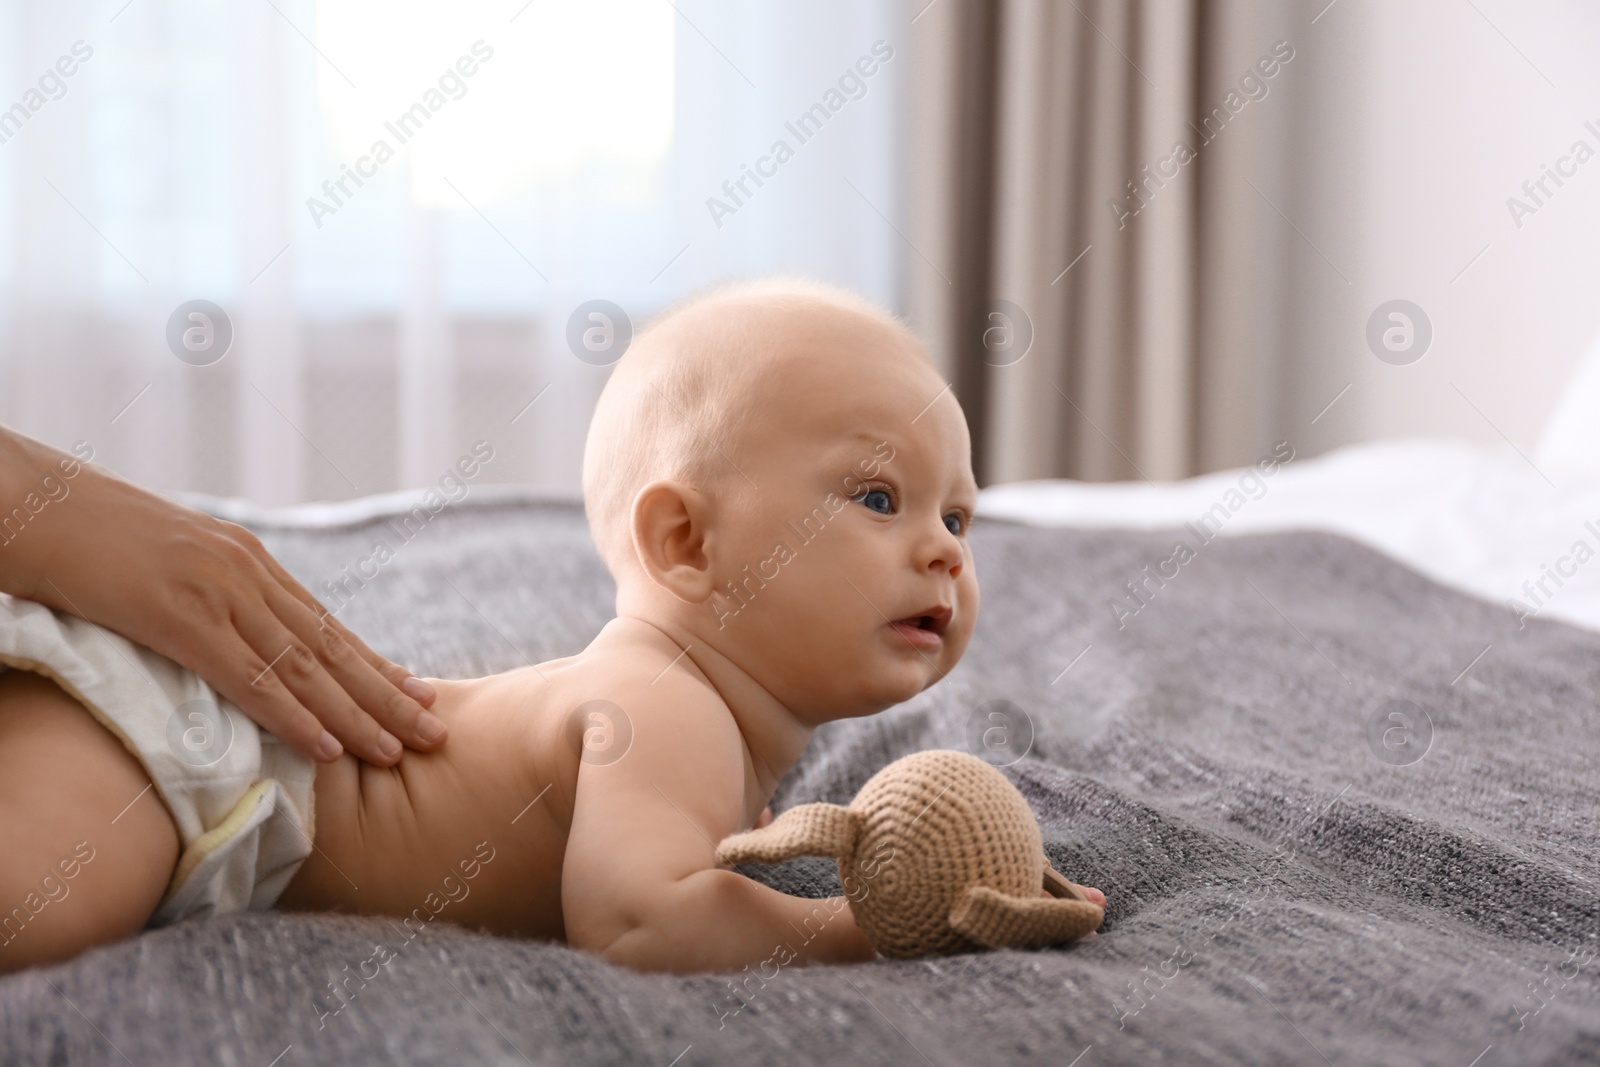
point(205, 593)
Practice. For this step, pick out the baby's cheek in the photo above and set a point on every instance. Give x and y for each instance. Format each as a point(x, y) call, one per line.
point(967, 586)
point(956, 648)
point(967, 619)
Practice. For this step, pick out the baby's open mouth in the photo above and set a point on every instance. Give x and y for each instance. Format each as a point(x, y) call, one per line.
point(926, 628)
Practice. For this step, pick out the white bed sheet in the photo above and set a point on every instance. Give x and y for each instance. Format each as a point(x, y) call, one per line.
point(1479, 518)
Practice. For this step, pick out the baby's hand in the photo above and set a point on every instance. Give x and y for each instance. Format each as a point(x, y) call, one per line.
point(1095, 897)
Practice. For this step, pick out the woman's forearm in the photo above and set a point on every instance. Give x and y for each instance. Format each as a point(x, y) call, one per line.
point(34, 477)
point(11, 451)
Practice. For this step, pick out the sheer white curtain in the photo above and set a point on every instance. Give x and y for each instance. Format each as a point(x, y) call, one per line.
point(391, 306)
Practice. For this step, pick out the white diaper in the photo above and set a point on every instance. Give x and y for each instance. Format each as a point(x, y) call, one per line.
point(241, 799)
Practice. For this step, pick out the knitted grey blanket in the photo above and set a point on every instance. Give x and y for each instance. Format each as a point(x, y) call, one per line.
point(1341, 814)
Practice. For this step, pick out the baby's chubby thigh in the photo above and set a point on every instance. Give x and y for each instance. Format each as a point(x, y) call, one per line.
point(87, 848)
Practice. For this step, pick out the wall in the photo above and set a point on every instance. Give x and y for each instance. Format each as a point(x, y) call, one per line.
point(1416, 120)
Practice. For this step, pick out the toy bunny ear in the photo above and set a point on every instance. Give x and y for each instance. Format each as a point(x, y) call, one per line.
point(1000, 920)
point(803, 830)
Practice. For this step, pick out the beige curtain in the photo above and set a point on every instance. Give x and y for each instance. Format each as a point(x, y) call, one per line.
point(1045, 175)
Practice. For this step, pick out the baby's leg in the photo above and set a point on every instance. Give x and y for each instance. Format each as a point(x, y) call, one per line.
point(82, 862)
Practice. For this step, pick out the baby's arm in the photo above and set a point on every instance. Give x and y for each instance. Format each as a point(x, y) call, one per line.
point(640, 884)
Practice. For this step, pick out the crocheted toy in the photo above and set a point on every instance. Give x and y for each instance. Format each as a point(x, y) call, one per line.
point(938, 853)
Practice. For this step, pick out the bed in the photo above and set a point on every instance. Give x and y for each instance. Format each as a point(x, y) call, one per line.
point(1334, 765)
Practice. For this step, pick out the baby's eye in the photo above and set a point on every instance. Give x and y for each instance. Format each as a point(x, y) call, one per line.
point(952, 522)
point(875, 500)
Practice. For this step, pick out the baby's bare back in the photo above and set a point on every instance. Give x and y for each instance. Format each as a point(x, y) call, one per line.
point(474, 833)
point(482, 832)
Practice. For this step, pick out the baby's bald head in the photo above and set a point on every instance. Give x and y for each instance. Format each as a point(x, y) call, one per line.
point(686, 399)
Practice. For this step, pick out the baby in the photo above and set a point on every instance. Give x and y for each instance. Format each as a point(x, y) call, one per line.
point(781, 485)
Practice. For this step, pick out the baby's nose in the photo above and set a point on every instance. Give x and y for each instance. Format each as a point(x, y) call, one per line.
point(944, 553)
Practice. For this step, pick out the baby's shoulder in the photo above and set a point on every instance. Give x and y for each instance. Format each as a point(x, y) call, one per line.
point(635, 681)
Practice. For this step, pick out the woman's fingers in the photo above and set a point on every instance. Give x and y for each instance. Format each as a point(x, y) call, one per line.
point(302, 664)
point(396, 675)
point(384, 692)
point(372, 706)
point(383, 713)
point(235, 670)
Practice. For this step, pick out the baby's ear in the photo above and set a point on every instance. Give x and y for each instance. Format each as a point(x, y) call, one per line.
point(669, 523)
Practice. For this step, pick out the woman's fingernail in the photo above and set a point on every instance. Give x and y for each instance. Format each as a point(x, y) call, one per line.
point(417, 689)
point(388, 744)
point(429, 727)
point(328, 747)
